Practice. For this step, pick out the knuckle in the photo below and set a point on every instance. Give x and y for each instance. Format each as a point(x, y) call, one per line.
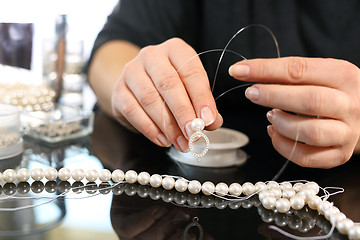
point(351, 71)
point(314, 102)
point(168, 81)
point(297, 67)
point(313, 135)
point(148, 51)
point(175, 41)
point(149, 98)
point(127, 109)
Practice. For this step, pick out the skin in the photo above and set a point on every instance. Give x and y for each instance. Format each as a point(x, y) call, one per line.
point(143, 90)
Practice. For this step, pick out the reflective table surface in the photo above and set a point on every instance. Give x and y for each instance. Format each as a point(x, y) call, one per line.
point(81, 210)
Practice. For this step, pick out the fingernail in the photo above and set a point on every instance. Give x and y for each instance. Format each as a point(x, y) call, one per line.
point(270, 130)
point(188, 129)
point(252, 93)
point(183, 144)
point(163, 140)
point(207, 115)
point(180, 217)
point(269, 115)
point(160, 213)
point(239, 71)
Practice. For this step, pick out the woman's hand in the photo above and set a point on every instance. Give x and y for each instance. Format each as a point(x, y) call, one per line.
point(159, 95)
point(324, 94)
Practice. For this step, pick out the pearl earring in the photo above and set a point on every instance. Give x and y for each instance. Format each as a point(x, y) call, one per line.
point(198, 126)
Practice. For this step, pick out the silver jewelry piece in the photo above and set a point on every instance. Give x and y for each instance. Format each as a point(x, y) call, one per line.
point(198, 126)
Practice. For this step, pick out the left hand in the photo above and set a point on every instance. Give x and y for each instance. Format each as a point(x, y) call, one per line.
point(324, 94)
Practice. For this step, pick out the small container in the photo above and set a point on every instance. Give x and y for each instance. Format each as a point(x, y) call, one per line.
point(61, 124)
point(11, 143)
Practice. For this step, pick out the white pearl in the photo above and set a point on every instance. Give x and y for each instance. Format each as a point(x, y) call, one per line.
point(194, 187)
point(235, 189)
point(313, 202)
point(78, 174)
point(131, 176)
point(264, 193)
point(104, 175)
point(1, 176)
point(118, 176)
point(269, 202)
point(208, 188)
point(248, 188)
point(64, 174)
point(354, 232)
point(276, 192)
point(298, 186)
point(314, 186)
point(144, 178)
point(51, 174)
point(306, 193)
point(23, 174)
point(221, 189)
point(323, 206)
point(197, 124)
point(168, 183)
point(37, 174)
point(286, 185)
point(259, 186)
point(337, 217)
point(272, 184)
point(283, 205)
point(91, 175)
point(288, 193)
point(297, 202)
point(155, 180)
point(331, 211)
point(9, 175)
point(181, 185)
point(343, 226)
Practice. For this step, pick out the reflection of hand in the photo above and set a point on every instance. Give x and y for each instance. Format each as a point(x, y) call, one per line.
point(325, 94)
point(161, 102)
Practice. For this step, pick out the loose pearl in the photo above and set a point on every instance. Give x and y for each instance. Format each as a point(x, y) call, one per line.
point(197, 124)
point(118, 175)
point(9, 175)
point(337, 217)
point(313, 202)
point(105, 175)
point(269, 202)
point(354, 232)
point(144, 178)
point(259, 186)
point(194, 187)
point(343, 226)
point(314, 186)
point(235, 189)
point(331, 211)
point(168, 183)
point(23, 174)
point(298, 186)
point(221, 189)
point(78, 174)
point(283, 205)
point(248, 188)
point(131, 176)
point(181, 185)
point(91, 175)
point(208, 188)
point(297, 202)
point(64, 174)
point(51, 174)
point(37, 174)
point(288, 193)
point(155, 180)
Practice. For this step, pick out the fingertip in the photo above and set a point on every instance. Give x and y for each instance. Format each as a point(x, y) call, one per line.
point(216, 124)
point(239, 71)
point(270, 130)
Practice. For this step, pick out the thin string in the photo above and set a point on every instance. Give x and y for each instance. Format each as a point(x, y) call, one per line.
point(303, 238)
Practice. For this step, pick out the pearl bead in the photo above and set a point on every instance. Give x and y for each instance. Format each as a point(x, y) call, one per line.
point(343, 226)
point(64, 174)
point(269, 202)
point(314, 186)
point(323, 206)
point(194, 187)
point(297, 202)
point(168, 183)
point(259, 186)
point(37, 174)
point(91, 175)
point(313, 202)
point(181, 185)
point(23, 174)
point(298, 186)
point(197, 124)
point(208, 188)
point(118, 176)
point(51, 174)
point(78, 174)
point(104, 175)
point(272, 184)
point(283, 205)
point(248, 188)
point(235, 189)
point(155, 180)
point(221, 189)
point(331, 211)
point(354, 232)
point(131, 176)
point(306, 193)
point(288, 193)
point(337, 217)
point(276, 192)
point(286, 185)
point(9, 175)
point(144, 178)
point(265, 193)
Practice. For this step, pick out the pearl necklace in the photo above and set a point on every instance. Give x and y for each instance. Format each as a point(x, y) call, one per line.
point(280, 197)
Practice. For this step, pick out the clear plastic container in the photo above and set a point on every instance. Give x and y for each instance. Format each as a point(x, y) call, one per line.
point(11, 143)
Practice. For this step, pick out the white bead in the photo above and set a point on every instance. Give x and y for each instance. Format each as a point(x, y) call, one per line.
point(354, 232)
point(144, 178)
point(197, 124)
point(314, 186)
point(276, 192)
point(51, 174)
point(264, 193)
point(331, 211)
point(9, 175)
point(1, 176)
point(155, 180)
point(235, 189)
point(313, 202)
point(323, 206)
point(298, 186)
point(104, 175)
point(118, 176)
point(23, 174)
point(272, 184)
point(269, 202)
point(288, 193)
point(64, 174)
point(306, 193)
point(37, 174)
point(221, 189)
point(181, 185)
point(297, 202)
point(208, 188)
point(259, 186)
point(78, 174)
point(286, 185)
point(337, 217)
point(248, 188)
point(131, 176)
point(343, 226)
point(91, 175)
point(283, 205)
point(168, 183)
point(194, 187)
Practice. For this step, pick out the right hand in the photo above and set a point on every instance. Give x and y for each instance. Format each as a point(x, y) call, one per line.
point(160, 102)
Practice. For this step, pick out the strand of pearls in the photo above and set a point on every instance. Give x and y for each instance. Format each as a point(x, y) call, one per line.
point(280, 197)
